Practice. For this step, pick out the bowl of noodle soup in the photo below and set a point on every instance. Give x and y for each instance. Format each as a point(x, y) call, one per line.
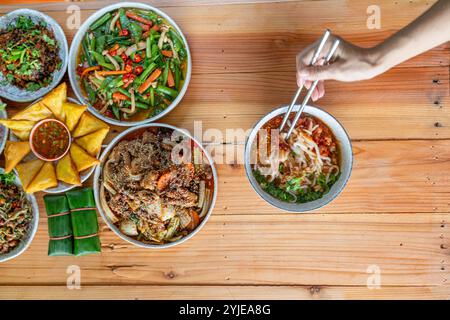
point(304, 172)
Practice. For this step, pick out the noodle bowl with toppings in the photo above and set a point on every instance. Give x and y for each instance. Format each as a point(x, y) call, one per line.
point(302, 172)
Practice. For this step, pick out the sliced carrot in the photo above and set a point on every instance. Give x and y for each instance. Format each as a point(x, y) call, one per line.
point(133, 16)
point(118, 25)
point(146, 34)
point(167, 53)
point(87, 70)
point(119, 96)
point(114, 48)
point(149, 81)
point(155, 27)
point(195, 220)
point(145, 27)
point(111, 73)
point(163, 181)
point(170, 80)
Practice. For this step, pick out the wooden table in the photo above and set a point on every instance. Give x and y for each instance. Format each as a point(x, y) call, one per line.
point(393, 215)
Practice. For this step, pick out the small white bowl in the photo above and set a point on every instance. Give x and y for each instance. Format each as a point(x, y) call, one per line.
point(75, 47)
point(346, 159)
point(12, 92)
point(28, 238)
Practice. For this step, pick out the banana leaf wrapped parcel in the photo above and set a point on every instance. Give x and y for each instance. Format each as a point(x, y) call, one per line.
point(84, 221)
point(59, 225)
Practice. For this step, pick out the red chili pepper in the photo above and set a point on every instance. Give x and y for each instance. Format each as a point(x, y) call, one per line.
point(113, 53)
point(137, 58)
point(138, 70)
point(128, 68)
point(129, 63)
point(109, 113)
point(124, 56)
point(125, 32)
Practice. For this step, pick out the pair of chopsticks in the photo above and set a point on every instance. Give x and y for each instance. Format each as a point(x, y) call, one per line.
point(314, 59)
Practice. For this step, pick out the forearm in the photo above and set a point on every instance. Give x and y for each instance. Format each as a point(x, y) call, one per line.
point(428, 31)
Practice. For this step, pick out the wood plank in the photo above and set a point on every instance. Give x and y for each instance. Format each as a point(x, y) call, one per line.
point(310, 249)
point(269, 35)
point(388, 176)
point(413, 103)
point(404, 103)
point(223, 292)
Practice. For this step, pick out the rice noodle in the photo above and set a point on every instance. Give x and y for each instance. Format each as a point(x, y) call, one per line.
point(303, 162)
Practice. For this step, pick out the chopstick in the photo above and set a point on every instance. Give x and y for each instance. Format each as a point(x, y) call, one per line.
point(311, 89)
point(314, 59)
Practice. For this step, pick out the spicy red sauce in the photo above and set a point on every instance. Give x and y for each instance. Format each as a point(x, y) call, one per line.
point(50, 140)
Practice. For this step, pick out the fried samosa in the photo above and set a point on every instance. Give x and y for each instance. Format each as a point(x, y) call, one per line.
point(72, 114)
point(18, 125)
point(22, 135)
point(46, 178)
point(92, 142)
point(54, 100)
point(15, 151)
point(88, 124)
point(81, 158)
point(66, 171)
point(28, 170)
point(35, 112)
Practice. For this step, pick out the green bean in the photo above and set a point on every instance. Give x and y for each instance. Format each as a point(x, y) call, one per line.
point(92, 43)
point(148, 47)
point(116, 111)
point(100, 44)
point(108, 66)
point(90, 92)
point(98, 57)
point(177, 77)
point(124, 21)
point(123, 91)
point(105, 83)
point(144, 75)
point(165, 74)
point(86, 52)
point(100, 21)
point(136, 31)
point(137, 104)
point(114, 40)
point(115, 83)
point(166, 91)
point(152, 96)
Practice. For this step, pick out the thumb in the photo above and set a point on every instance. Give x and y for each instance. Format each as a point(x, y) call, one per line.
point(312, 73)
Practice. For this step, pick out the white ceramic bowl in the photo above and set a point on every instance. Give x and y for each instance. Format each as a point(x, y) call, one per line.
point(74, 48)
point(13, 93)
point(98, 175)
point(346, 156)
point(26, 240)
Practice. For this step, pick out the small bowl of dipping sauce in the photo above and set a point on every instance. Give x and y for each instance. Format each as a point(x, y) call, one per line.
point(50, 139)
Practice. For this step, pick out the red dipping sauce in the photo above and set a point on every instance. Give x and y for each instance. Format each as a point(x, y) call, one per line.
point(50, 139)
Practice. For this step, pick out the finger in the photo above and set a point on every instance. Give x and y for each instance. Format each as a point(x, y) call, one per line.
point(320, 89)
point(300, 80)
point(308, 84)
point(315, 95)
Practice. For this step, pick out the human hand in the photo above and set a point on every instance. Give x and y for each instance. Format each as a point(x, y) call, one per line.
point(349, 63)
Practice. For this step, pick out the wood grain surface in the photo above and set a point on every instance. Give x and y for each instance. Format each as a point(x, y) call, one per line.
point(393, 215)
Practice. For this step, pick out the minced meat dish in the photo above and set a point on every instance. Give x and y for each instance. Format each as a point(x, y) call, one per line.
point(150, 197)
point(28, 54)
